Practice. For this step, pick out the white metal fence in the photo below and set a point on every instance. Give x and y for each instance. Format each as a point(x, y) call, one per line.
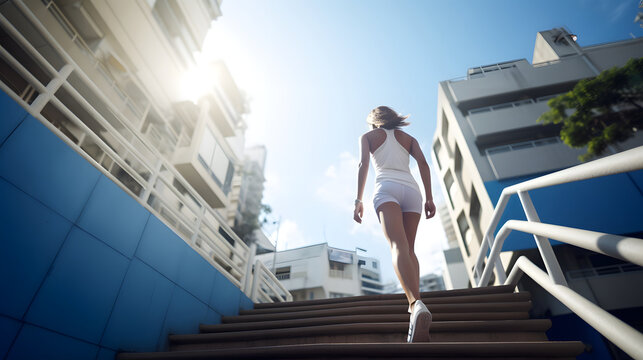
point(72, 106)
point(553, 281)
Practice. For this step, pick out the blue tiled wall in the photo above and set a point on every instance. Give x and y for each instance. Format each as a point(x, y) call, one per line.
point(85, 270)
point(610, 204)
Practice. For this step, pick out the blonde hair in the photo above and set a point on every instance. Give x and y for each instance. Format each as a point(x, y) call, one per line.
point(387, 118)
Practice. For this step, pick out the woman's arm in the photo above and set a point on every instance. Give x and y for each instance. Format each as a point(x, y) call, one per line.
point(425, 173)
point(362, 173)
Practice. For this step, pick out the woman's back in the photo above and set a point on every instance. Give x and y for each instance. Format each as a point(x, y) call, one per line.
point(391, 156)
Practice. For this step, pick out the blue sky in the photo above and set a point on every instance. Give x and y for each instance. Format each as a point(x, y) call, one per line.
point(314, 69)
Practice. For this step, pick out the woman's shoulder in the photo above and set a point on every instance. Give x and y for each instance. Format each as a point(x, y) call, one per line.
point(404, 134)
point(374, 132)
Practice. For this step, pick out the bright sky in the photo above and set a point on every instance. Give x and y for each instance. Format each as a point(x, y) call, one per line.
point(314, 69)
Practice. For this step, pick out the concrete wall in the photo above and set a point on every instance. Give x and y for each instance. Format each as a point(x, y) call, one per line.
point(85, 270)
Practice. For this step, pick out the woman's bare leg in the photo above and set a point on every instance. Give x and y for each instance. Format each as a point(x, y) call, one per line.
point(411, 221)
point(405, 267)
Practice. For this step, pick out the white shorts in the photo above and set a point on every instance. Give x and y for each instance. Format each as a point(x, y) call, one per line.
point(409, 198)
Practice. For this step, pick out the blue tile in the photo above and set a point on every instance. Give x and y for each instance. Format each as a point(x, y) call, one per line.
point(183, 316)
point(79, 293)
point(114, 217)
point(212, 317)
point(8, 331)
point(106, 354)
point(42, 165)
point(31, 236)
point(37, 343)
point(12, 115)
point(196, 275)
point(140, 309)
point(245, 303)
point(161, 248)
point(224, 298)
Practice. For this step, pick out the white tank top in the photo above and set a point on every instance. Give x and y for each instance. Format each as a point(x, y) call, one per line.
point(391, 162)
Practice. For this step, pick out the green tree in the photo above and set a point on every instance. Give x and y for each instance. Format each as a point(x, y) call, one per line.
point(251, 221)
point(600, 111)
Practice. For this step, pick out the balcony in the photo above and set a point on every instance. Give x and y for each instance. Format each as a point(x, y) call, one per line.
point(506, 117)
point(514, 79)
point(531, 157)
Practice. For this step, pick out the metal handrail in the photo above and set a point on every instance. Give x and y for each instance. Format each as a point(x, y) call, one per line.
point(621, 334)
point(625, 161)
point(621, 247)
point(47, 95)
point(553, 281)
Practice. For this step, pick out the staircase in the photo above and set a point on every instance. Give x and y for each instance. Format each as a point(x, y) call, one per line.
point(481, 323)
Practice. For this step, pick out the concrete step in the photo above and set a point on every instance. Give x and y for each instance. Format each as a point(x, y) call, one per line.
point(463, 331)
point(434, 350)
point(522, 306)
point(347, 319)
point(355, 319)
point(425, 295)
point(485, 298)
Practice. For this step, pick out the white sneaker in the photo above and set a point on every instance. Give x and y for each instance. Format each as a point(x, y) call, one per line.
point(419, 323)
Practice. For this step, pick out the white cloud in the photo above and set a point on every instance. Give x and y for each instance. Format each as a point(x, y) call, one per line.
point(289, 236)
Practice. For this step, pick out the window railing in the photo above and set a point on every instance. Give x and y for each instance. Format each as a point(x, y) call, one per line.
point(603, 271)
point(149, 178)
point(523, 145)
point(512, 104)
point(628, 249)
point(341, 274)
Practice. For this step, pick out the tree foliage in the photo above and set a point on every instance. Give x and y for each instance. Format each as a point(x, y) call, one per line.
point(600, 111)
point(251, 221)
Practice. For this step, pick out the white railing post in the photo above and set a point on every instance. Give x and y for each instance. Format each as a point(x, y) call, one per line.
point(43, 98)
point(255, 280)
point(247, 282)
point(544, 246)
point(145, 197)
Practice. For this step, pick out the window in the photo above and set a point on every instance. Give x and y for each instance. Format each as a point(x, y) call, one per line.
point(458, 161)
point(173, 24)
point(334, 265)
point(283, 273)
point(374, 264)
point(445, 127)
point(436, 150)
point(463, 226)
point(335, 295)
point(216, 161)
point(448, 181)
point(371, 286)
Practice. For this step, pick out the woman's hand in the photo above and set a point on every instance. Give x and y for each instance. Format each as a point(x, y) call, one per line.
point(429, 209)
point(359, 212)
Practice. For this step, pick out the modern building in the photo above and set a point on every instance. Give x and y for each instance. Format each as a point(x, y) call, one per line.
point(487, 138)
point(118, 192)
point(454, 272)
point(320, 272)
point(249, 207)
point(431, 282)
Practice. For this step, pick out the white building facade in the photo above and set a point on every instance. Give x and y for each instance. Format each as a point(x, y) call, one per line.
point(488, 138)
point(107, 77)
point(320, 272)
point(454, 273)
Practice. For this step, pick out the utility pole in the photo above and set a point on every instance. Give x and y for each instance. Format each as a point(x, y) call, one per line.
point(274, 258)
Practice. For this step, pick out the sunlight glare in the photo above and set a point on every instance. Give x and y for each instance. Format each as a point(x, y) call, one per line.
point(197, 81)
